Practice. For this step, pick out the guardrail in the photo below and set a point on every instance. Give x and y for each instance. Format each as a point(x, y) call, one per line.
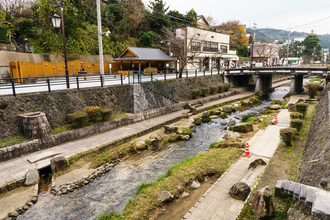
point(58, 81)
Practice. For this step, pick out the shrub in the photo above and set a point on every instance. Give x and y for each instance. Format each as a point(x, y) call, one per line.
point(287, 134)
point(242, 102)
point(77, 118)
point(296, 123)
point(93, 112)
point(205, 91)
point(195, 93)
point(302, 108)
point(221, 88)
point(245, 118)
point(106, 114)
point(223, 115)
point(207, 119)
point(296, 115)
point(255, 100)
point(213, 89)
point(311, 89)
point(227, 87)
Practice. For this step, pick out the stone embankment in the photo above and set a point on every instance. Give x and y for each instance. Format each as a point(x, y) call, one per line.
point(315, 164)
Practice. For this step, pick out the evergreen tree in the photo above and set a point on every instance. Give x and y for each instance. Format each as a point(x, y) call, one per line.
point(157, 17)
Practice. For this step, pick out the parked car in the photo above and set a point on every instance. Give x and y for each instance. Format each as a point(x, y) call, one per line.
point(246, 64)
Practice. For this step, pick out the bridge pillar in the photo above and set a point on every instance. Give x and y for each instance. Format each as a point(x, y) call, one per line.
point(238, 80)
point(296, 84)
point(264, 83)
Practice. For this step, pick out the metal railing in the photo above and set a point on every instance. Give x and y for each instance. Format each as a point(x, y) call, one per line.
point(38, 84)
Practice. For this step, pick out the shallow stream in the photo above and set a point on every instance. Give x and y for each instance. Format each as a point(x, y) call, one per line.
point(113, 190)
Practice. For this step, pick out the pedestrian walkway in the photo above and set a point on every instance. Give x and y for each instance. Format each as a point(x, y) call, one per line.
point(16, 168)
point(216, 204)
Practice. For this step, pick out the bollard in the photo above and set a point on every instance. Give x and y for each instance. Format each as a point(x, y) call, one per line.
point(151, 77)
point(48, 83)
point(101, 78)
point(176, 73)
point(195, 73)
point(77, 82)
point(187, 73)
point(121, 78)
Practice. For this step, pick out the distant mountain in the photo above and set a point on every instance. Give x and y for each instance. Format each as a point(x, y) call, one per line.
point(268, 35)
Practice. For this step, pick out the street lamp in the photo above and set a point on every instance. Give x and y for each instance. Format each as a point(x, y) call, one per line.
point(57, 20)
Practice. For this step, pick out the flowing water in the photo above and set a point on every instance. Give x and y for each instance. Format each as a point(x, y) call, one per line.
point(113, 190)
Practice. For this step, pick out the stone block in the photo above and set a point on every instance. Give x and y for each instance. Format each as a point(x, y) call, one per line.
point(11, 185)
point(3, 189)
point(58, 164)
point(31, 177)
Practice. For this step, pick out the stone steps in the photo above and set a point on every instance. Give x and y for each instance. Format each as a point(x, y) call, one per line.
point(251, 176)
point(318, 200)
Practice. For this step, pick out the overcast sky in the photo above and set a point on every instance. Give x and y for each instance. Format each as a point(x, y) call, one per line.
point(277, 14)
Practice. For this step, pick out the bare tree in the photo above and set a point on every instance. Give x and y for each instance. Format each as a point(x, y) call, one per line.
point(265, 50)
point(18, 8)
point(186, 48)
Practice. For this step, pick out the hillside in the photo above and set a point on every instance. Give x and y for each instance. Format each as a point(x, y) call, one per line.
point(268, 35)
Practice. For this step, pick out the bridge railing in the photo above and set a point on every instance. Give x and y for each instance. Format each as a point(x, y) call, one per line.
point(279, 70)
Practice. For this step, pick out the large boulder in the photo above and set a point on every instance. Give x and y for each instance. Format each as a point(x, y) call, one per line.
point(197, 121)
point(262, 203)
point(195, 184)
point(155, 136)
point(243, 127)
point(228, 109)
point(141, 145)
point(205, 114)
point(193, 110)
point(165, 196)
point(275, 107)
point(171, 129)
point(31, 177)
point(240, 191)
point(59, 163)
point(232, 136)
point(275, 102)
point(232, 121)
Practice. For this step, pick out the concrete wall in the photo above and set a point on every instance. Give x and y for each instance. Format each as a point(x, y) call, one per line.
point(145, 98)
point(182, 87)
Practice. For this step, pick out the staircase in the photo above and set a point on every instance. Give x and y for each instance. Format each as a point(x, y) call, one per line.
point(315, 198)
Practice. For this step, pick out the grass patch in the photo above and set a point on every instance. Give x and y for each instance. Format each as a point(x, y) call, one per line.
point(245, 118)
point(178, 178)
point(9, 141)
point(60, 129)
point(283, 104)
point(284, 165)
point(315, 79)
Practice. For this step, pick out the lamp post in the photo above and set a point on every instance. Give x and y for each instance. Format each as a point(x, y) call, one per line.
point(57, 20)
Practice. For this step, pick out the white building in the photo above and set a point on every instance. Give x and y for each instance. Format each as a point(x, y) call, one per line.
point(207, 48)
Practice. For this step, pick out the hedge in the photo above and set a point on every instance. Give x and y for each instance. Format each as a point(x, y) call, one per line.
point(287, 134)
point(195, 93)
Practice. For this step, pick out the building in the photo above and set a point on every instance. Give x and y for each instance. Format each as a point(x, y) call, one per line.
point(267, 53)
point(206, 48)
point(202, 22)
point(136, 58)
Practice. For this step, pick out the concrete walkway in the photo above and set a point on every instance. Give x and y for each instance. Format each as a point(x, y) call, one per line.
point(216, 203)
point(16, 168)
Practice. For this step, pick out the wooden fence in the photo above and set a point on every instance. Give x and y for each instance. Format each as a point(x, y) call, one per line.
point(20, 69)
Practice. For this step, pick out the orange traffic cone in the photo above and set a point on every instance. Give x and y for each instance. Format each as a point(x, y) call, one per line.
point(275, 119)
point(247, 152)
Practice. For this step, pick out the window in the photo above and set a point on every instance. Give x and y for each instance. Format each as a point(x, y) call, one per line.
point(223, 49)
point(210, 46)
point(196, 46)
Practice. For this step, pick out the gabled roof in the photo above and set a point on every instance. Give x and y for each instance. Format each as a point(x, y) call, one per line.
point(203, 19)
point(145, 54)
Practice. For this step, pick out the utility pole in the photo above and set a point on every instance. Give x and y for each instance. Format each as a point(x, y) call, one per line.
point(251, 58)
point(287, 51)
point(99, 34)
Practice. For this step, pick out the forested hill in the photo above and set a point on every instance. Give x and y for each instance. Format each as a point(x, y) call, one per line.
point(268, 35)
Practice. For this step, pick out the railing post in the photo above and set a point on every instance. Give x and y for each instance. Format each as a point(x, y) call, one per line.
point(77, 82)
point(165, 75)
point(121, 78)
point(196, 73)
point(128, 78)
point(48, 83)
point(204, 72)
point(13, 86)
point(157, 85)
point(187, 73)
point(101, 77)
point(211, 71)
point(151, 77)
point(176, 74)
point(133, 76)
point(172, 92)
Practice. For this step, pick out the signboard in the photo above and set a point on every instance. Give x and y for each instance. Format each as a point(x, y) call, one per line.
point(180, 32)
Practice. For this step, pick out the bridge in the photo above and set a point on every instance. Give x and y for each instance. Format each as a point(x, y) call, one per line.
point(262, 77)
